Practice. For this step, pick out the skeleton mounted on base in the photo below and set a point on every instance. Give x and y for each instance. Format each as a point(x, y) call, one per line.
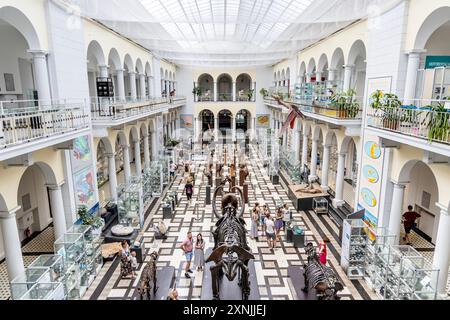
point(148, 277)
point(231, 253)
point(320, 277)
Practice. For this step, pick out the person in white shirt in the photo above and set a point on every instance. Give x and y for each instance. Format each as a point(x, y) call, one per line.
point(270, 231)
point(172, 169)
point(134, 264)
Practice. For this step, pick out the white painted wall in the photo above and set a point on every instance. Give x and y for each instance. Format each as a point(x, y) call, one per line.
point(67, 62)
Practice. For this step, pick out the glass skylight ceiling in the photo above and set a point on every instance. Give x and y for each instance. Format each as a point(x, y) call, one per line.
point(228, 33)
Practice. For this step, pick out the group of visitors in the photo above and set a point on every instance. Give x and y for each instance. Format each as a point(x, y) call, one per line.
point(269, 226)
point(128, 261)
point(198, 254)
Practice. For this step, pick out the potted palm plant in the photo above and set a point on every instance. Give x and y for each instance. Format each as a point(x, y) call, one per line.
point(390, 104)
point(264, 92)
point(250, 94)
point(92, 220)
point(438, 125)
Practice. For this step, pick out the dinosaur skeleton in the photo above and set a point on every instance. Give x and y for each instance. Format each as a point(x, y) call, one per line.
point(320, 277)
point(148, 277)
point(231, 252)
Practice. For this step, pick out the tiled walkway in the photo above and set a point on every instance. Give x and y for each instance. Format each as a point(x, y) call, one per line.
point(271, 267)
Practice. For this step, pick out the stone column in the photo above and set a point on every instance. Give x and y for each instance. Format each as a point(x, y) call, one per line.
point(441, 251)
point(325, 166)
point(308, 77)
point(304, 150)
point(112, 173)
point(332, 74)
point(126, 163)
point(411, 76)
point(216, 128)
point(348, 70)
point(132, 76)
point(297, 134)
point(11, 241)
point(146, 151)
point(57, 207)
point(313, 174)
point(195, 96)
point(143, 86)
point(215, 91)
point(103, 71)
point(137, 157)
point(120, 84)
point(395, 217)
point(318, 76)
point(234, 91)
point(233, 129)
point(150, 86)
point(339, 198)
point(41, 78)
point(154, 146)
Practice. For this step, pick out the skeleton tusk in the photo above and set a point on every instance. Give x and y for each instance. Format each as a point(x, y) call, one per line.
point(214, 201)
point(241, 214)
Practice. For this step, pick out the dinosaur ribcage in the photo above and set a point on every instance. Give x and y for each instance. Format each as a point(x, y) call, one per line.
point(316, 274)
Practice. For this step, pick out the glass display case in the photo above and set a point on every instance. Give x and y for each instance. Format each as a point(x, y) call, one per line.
point(320, 205)
point(53, 262)
point(292, 166)
point(45, 291)
point(71, 282)
point(130, 205)
point(155, 178)
point(71, 247)
point(354, 242)
point(21, 284)
point(424, 284)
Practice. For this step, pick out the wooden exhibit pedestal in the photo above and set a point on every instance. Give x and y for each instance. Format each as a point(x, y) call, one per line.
point(229, 290)
point(303, 201)
point(165, 280)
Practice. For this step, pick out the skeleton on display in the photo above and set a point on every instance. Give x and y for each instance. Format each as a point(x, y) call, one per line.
point(320, 277)
point(160, 230)
point(231, 253)
point(148, 277)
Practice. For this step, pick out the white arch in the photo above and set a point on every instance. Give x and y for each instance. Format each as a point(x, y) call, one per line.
point(114, 59)
point(148, 69)
point(128, 63)
point(139, 66)
point(311, 65)
point(323, 62)
point(288, 73)
point(436, 19)
point(337, 59)
point(358, 49)
point(18, 20)
point(96, 51)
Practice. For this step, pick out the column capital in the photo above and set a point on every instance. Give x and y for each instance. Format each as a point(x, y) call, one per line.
point(416, 52)
point(327, 145)
point(443, 208)
point(125, 147)
point(132, 72)
point(9, 214)
point(110, 155)
point(54, 187)
point(103, 66)
point(348, 66)
point(399, 184)
point(37, 53)
point(332, 69)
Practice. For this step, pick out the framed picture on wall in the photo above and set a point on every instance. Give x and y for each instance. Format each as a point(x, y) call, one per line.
point(9, 82)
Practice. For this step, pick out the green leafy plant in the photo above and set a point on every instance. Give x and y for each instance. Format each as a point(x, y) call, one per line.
point(375, 99)
point(250, 94)
point(264, 92)
point(346, 104)
point(89, 219)
point(197, 91)
point(438, 124)
point(172, 143)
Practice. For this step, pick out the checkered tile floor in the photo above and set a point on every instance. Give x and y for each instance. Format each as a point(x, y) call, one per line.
point(271, 267)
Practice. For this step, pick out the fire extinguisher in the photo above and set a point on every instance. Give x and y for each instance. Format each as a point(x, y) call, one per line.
point(27, 232)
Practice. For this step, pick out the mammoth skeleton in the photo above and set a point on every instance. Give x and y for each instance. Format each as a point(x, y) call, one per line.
point(148, 278)
point(231, 253)
point(320, 277)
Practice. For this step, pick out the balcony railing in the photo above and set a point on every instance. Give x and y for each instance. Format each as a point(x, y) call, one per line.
point(26, 121)
point(425, 119)
point(114, 109)
point(225, 96)
point(343, 108)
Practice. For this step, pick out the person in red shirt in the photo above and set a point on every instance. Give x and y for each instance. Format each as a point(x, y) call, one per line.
point(409, 221)
point(188, 246)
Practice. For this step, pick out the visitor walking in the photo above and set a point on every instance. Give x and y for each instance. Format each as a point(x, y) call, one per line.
point(262, 217)
point(134, 264)
point(189, 189)
point(125, 260)
point(172, 169)
point(286, 216)
point(199, 256)
point(278, 223)
point(270, 232)
point(187, 246)
point(255, 219)
point(409, 222)
point(323, 251)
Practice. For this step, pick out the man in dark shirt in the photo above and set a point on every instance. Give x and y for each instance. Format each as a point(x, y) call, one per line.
point(409, 221)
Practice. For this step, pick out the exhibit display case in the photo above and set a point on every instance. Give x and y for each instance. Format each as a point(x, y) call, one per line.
point(71, 247)
point(155, 178)
point(53, 262)
point(292, 166)
point(45, 291)
point(21, 284)
point(130, 205)
point(354, 243)
point(320, 205)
